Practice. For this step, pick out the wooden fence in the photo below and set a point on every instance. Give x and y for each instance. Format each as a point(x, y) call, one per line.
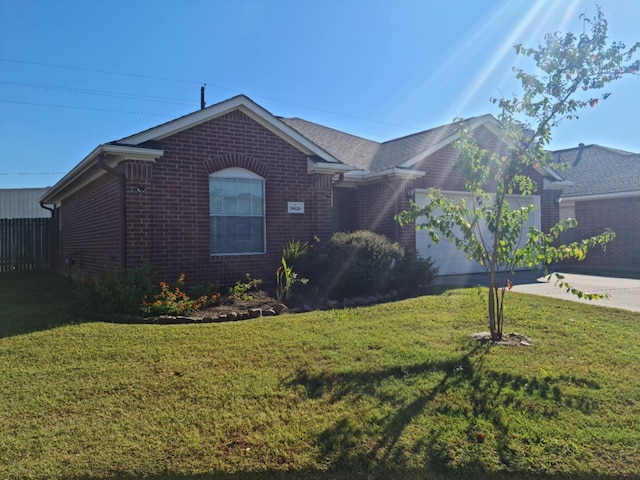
point(25, 244)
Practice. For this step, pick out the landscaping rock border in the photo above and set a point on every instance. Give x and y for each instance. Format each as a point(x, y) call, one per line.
point(230, 314)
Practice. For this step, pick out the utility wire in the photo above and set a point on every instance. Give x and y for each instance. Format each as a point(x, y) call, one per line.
point(96, 70)
point(31, 173)
point(93, 109)
point(104, 93)
point(152, 77)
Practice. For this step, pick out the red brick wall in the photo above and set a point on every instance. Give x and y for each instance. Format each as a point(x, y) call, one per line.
point(620, 215)
point(139, 206)
point(178, 200)
point(376, 205)
point(90, 229)
point(549, 209)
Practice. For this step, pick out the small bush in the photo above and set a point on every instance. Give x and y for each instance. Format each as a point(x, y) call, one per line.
point(240, 291)
point(354, 263)
point(132, 292)
point(119, 291)
point(174, 301)
point(363, 263)
point(412, 273)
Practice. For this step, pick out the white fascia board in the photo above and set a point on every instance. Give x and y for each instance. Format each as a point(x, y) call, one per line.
point(132, 153)
point(551, 185)
point(600, 196)
point(406, 174)
point(553, 173)
point(485, 119)
point(183, 123)
point(328, 168)
point(365, 176)
point(246, 106)
point(115, 154)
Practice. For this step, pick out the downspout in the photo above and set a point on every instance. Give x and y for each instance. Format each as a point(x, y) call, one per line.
point(47, 208)
point(51, 247)
point(123, 209)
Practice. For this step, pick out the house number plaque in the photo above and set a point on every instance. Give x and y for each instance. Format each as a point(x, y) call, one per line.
point(295, 207)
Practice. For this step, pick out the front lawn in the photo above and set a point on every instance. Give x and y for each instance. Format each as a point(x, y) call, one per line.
point(392, 391)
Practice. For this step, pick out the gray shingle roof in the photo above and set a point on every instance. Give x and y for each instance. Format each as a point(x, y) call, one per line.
point(349, 149)
point(367, 154)
point(600, 170)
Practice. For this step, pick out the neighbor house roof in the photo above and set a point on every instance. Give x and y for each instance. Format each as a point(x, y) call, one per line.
point(598, 170)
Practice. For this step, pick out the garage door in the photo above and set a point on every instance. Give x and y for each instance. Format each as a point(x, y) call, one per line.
point(447, 257)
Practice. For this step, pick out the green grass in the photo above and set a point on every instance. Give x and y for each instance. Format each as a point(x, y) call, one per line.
point(393, 391)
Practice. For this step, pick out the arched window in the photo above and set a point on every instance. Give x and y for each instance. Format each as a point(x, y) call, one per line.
point(236, 207)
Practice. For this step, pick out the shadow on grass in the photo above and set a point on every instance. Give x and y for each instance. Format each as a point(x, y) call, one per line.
point(34, 301)
point(469, 400)
point(381, 474)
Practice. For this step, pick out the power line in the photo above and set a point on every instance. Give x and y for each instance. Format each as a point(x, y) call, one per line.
point(93, 109)
point(7, 174)
point(104, 93)
point(152, 77)
point(96, 70)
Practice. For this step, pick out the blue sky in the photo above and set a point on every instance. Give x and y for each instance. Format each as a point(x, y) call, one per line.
point(75, 74)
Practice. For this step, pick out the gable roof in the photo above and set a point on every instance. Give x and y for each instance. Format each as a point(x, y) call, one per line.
point(239, 102)
point(144, 145)
point(373, 156)
point(599, 171)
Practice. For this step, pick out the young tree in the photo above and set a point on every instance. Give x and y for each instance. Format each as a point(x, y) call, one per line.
point(571, 73)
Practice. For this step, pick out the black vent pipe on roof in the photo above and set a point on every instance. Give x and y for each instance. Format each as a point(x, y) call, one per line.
point(579, 155)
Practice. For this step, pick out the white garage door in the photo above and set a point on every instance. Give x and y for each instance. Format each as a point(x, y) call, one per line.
point(447, 257)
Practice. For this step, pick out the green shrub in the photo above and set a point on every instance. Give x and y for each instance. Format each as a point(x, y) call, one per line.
point(240, 291)
point(175, 301)
point(364, 263)
point(354, 263)
point(412, 273)
point(119, 291)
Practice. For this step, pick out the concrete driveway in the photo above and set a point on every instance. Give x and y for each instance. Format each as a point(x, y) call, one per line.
point(623, 293)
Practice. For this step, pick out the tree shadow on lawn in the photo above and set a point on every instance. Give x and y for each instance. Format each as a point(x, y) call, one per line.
point(380, 474)
point(467, 410)
point(376, 447)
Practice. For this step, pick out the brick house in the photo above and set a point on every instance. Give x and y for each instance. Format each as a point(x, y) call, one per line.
point(605, 193)
point(217, 193)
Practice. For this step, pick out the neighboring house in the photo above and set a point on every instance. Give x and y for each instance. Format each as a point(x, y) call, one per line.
point(22, 203)
point(217, 193)
point(605, 194)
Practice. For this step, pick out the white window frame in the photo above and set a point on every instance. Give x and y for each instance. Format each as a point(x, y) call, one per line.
point(234, 174)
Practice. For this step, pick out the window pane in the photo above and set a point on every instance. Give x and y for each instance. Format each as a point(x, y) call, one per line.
point(215, 204)
point(229, 187)
point(256, 189)
point(237, 215)
point(244, 206)
point(229, 206)
point(244, 186)
point(237, 234)
point(257, 206)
